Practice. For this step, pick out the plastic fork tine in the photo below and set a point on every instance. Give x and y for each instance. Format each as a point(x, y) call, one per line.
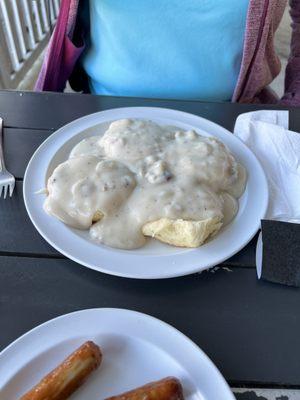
point(5, 191)
point(11, 188)
point(1, 187)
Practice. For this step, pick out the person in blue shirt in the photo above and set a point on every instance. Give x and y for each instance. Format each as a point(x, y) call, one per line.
point(211, 50)
point(177, 49)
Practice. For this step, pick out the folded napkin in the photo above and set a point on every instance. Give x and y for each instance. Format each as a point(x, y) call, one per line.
point(278, 150)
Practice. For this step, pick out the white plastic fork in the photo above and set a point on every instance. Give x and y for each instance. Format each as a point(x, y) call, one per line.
point(7, 180)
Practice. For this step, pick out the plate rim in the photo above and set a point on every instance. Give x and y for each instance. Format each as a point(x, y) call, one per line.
point(154, 321)
point(148, 275)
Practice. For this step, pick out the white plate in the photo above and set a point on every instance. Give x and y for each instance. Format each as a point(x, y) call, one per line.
point(155, 260)
point(136, 348)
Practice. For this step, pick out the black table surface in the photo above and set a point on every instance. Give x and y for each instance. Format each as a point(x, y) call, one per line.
point(249, 328)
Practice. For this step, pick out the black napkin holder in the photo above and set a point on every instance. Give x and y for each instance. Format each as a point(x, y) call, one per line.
point(281, 252)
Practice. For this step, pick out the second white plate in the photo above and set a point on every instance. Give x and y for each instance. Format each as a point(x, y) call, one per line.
point(136, 348)
point(155, 260)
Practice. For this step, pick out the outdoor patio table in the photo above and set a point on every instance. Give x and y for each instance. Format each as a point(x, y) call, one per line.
point(249, 328)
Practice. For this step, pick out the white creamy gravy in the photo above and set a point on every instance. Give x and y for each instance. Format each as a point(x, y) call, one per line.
point(139, 172)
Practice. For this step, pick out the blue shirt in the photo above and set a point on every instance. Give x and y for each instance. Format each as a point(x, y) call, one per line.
point(180, 49)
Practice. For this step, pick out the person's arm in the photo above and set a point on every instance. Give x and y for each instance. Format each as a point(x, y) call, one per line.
point(292, 73)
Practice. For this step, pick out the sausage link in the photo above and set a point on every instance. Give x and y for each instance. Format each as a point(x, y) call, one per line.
point(166, 389)
point(60, 383)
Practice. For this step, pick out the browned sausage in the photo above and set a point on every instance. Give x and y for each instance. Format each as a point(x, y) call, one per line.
point(60, 383)
point(166, 389)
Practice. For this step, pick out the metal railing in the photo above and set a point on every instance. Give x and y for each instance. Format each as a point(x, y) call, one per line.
point(25, 27)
